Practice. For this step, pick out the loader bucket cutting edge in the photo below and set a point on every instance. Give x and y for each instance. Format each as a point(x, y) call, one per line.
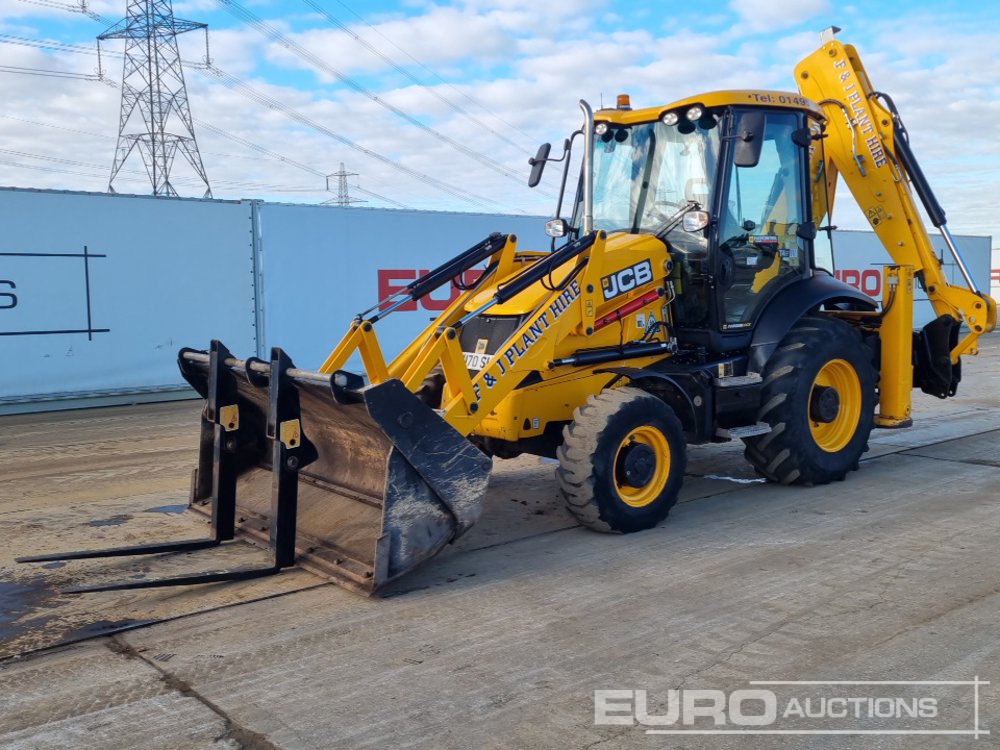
point(386, 485)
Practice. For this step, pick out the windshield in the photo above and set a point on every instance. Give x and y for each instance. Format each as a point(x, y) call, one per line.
point(646, 174)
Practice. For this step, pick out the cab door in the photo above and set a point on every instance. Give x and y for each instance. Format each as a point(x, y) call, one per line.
point(759, 248)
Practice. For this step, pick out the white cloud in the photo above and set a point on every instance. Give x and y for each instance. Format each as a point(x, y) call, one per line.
point(443, 36)
point(771, 15)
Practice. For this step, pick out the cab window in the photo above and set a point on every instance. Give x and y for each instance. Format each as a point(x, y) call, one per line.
point(758, 242)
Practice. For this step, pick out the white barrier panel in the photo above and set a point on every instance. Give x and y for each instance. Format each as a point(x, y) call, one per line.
point(860, 257)
point(98, 292)
point(323, 264)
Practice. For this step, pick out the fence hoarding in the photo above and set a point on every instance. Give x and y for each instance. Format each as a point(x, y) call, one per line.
point(98, 292)
point(323, 264)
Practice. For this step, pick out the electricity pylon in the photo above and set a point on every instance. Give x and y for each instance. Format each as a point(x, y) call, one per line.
point(154, 94)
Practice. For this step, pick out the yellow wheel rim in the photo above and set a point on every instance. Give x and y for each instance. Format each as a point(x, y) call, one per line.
point(639, 497)
point(834, 435)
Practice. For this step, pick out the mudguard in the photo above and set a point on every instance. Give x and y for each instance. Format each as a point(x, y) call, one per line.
point(788, 306)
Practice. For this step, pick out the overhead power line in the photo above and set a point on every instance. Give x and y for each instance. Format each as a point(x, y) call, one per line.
point(364, 191)
point(333, 21)
point(39, 168)
point(77, 163)
point(50, 44)
point(269, 154)
point(106, 137)
point(58, 160)
point(286, 160)
point(270, 103)
point(48, 73)
point(272, 33)
point(80, 7)
point(259, 149)
point(202, 124)
point(99, 173)
point(264, 100)
point(57, 127)
point(454, 88)
point(64, 47)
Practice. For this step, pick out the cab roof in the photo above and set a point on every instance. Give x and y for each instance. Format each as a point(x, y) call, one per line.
point(741, 97)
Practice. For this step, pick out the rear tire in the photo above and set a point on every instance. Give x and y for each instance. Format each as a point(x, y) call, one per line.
point(622, 461)
point(818, 396)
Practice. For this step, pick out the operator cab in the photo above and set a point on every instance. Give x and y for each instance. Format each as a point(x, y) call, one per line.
point(724, 180)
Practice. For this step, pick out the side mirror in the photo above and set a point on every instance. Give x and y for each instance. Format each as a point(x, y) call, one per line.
point(806, 230)
point(695, 221)
point(538, 164)
point(749, 137)
point(802, 137)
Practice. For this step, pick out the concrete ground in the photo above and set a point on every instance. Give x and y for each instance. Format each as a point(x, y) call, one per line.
point(501, 642)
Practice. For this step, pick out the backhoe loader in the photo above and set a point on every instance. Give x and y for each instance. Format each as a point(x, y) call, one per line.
point(682, 302)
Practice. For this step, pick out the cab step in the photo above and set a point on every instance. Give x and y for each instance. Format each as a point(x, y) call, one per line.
point(750, 430)
point(738, 381)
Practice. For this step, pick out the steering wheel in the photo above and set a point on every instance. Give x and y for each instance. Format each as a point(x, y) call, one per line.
point(659, 216)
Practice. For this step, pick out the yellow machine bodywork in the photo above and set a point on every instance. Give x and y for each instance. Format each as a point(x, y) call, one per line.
point(558, 323)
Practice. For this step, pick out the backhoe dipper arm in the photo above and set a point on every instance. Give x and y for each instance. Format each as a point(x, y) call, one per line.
point(869, 146)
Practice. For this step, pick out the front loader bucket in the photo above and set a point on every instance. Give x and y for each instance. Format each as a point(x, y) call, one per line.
point(378, 481)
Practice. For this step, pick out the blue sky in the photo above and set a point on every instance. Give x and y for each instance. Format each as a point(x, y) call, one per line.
point(458, 94)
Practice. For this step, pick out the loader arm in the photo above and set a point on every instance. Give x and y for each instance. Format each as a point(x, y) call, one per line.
point(572, 304)
point(867, 144)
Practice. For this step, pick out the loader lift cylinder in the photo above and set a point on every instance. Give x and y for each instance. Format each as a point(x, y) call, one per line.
point(533, 273)
point(435, 278)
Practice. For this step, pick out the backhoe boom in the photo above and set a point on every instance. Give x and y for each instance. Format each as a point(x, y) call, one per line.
point(867, 144)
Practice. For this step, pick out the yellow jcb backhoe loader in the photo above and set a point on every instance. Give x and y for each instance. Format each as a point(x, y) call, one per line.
point(681, 303)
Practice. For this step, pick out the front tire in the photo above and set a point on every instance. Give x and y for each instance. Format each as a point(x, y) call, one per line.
point(622, 461)
point(818, 396)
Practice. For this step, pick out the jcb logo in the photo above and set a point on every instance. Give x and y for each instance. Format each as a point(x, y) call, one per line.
point(626, 279)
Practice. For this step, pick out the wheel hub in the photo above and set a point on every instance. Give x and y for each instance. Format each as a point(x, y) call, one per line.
point(824, 406)
point(638, 464)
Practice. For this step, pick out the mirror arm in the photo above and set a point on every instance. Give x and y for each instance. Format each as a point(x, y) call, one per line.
point(565, 153)
point(567, 149)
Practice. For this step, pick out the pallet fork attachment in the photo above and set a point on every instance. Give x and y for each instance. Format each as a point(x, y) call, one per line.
point(220, 440)
point(357, 483)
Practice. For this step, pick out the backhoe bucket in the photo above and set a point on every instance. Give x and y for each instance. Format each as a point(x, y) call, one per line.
point(374, 481)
